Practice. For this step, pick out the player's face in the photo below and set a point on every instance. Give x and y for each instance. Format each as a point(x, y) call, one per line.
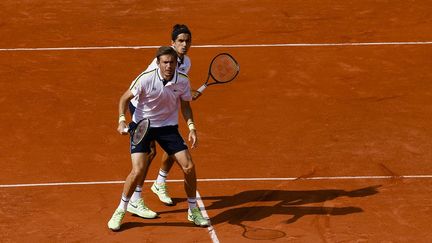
point(167, 65)
point(182, 44)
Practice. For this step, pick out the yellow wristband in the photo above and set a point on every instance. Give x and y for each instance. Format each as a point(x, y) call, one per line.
point(191, 126)
point(122, 118)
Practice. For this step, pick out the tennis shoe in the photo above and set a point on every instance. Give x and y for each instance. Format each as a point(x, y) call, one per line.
point(161, 190)
point(116, 219)
point(195, 216)
point(139, 208)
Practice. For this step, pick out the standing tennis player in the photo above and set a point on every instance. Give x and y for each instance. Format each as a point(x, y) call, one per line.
point(181, 40)
point(160, 93)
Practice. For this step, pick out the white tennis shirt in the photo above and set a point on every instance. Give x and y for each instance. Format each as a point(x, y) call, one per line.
point(183, 65)
point(157, 102)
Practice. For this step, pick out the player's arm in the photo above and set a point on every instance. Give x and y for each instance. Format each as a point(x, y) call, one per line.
point(187, 113)
point(123, 103)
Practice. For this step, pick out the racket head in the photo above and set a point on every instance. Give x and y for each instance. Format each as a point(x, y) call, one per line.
point(261, 233)
point(224, 68)
point(140, 131)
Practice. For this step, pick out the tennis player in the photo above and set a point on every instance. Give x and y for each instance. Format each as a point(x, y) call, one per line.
point(181, 40)
point(160, 93)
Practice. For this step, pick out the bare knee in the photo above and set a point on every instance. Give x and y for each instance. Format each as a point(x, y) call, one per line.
point(137, 170)
point(189, 167)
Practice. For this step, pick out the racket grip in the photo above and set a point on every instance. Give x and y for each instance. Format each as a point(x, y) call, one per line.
point(202, 88)
point(126, 129)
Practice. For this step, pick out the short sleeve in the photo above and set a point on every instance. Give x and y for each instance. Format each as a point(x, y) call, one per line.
point(136, 86)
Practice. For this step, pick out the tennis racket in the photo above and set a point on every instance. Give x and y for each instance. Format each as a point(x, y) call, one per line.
point(139, 131)
point(223, 69)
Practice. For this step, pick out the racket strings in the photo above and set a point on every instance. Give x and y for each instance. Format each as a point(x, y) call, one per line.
point(224, 68)
point(140, 131)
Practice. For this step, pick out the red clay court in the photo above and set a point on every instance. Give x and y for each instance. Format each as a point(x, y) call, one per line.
point(323, 137)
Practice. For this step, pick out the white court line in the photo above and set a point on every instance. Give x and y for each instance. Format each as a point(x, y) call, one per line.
point(228, 179)
point(220, 46)
point(211, 230)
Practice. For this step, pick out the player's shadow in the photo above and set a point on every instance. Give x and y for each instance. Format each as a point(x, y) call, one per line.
point(287, 203)
point(130, 225)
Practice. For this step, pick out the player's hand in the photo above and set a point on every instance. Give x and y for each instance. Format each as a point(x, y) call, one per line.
point(122, 128)
point(193, 138)
point(195, 94)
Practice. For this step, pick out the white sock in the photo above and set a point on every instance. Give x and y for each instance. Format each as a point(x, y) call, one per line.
point(192, 203)
point(162, 176)
point(137, 194)
point(123, 203)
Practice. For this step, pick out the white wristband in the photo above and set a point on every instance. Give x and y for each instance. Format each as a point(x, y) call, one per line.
point(191, 126)
point(122, 118)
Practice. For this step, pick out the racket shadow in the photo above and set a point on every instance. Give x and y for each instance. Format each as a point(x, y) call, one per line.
point(237, 216)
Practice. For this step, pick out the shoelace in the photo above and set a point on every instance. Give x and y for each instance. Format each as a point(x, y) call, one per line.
point(198, 218)
point(163, 188)
point(118, 215)
point(196, 214)
point(140, 204)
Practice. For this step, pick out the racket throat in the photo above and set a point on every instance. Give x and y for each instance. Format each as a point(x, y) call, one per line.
point(202, 88)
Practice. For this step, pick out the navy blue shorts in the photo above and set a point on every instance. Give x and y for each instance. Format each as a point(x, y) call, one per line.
point(167, 137)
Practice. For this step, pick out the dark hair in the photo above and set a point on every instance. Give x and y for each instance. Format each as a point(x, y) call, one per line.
point(180, 29)
point(166, 50)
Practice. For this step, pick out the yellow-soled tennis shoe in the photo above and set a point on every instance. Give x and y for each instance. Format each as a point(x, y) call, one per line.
point(116, 219)
point(139, 208)
point(161, 190)
point(196, 217)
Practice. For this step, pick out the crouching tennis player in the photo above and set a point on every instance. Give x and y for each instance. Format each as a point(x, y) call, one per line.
point(160, 92)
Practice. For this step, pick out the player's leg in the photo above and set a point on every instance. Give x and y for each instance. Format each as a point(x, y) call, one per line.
point(151, 155)
point(166, 165)
point(140, 165)
point(159, 187)
point(136, 204)
point(184, 159)
point(172, 142)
